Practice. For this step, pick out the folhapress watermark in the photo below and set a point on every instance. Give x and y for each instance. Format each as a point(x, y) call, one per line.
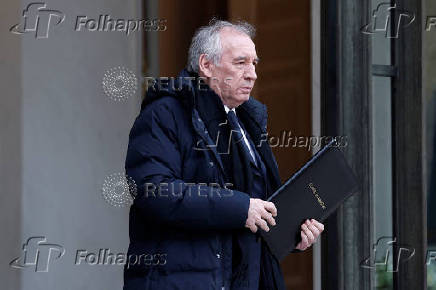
point(389, 19)
point(286, 140)
point(38, 254)
point(383, 22)
point(105, 257)
point(127, 26)
point(388, 260)
point(384, 255)
point(38, 19)
point(430, 23)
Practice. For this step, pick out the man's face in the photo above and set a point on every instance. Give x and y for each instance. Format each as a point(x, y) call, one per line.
point(234, 76)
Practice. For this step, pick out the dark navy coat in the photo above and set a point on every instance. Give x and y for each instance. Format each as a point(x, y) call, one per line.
point(182, 218)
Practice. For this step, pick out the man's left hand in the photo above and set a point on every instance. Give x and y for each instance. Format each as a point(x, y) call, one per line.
point(310, 231)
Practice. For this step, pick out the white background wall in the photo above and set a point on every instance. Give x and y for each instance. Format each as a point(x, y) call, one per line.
point(60, 137)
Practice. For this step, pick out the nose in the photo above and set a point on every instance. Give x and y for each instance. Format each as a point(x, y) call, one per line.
point(250, 72)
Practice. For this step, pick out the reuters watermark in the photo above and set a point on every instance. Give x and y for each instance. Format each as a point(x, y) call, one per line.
point(186, 189)
point(119, 189)
point(177, 83)
point(119, 83)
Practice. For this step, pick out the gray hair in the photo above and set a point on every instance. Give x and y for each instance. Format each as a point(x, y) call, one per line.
point(207, 41)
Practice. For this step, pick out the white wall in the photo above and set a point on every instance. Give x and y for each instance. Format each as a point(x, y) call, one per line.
point(60, 138)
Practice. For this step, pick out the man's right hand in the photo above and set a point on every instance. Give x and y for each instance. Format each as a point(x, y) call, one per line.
point(259, 213)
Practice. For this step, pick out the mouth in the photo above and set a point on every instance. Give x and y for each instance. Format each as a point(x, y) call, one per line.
point(246, 90)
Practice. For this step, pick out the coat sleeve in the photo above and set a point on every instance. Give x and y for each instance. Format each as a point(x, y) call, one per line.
point(154, 162)
point(296, 251)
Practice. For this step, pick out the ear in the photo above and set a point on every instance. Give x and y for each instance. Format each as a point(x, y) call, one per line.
point(205, 66)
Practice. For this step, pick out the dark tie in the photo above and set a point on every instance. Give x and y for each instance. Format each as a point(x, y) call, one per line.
point(236, 135)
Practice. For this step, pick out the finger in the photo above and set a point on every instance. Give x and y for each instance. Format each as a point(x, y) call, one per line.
point(308, 233)
point(269, 206)
point(314, 230)
point(262, 224)
point(317, 224)
point(304, 241)
point(252, 227)
point(268, 217)
point(310, 236)
point(299, 247)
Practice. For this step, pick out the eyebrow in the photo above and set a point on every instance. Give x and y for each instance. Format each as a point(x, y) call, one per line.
point(245, 58)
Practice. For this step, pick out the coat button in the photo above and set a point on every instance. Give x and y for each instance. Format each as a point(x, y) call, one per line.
point(218, 256)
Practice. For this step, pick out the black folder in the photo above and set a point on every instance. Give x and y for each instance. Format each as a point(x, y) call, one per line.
point(314, 191)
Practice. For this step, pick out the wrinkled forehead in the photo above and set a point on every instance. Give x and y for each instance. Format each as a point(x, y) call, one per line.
point(236, 44)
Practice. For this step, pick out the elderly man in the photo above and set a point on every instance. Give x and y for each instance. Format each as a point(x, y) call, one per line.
point(203, 175)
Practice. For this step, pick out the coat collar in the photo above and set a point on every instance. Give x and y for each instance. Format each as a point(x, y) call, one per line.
point(207, 113)
point(252, 114)
point(210, 106)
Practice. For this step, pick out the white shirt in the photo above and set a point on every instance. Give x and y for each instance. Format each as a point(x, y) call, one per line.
point(243, 134)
